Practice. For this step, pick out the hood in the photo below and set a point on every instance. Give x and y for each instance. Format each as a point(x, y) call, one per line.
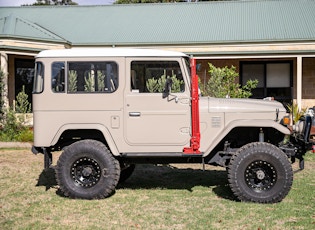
point(231, 105)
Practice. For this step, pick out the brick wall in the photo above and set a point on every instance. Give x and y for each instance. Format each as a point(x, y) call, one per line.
point(308, 84)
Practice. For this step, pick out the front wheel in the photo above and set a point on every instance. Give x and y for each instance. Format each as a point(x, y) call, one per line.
point(87, 170)
point(260, 172)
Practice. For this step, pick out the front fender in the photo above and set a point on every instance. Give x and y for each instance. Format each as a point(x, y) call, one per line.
point(245, 123)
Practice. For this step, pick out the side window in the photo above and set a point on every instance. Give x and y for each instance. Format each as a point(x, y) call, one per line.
point(38, 86)
point(92, 77)
point(58, 77)
point(150, 76)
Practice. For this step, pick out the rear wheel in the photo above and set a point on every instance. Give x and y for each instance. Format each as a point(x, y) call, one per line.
point(87, 170)
point(260, 172)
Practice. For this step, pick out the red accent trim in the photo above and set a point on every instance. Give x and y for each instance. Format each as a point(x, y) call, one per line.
point(195, 125)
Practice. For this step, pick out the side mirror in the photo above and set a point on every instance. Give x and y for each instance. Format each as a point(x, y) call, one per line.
point(167, 87)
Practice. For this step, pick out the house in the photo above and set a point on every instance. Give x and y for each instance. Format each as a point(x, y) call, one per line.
point(272, 41)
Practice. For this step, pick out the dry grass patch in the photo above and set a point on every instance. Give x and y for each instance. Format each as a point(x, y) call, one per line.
point(154, 197)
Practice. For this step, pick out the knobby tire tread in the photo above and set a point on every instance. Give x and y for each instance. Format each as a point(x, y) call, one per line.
point(101, 152)
point(268, 151)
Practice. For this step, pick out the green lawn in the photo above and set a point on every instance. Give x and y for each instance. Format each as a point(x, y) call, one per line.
point(154, 197)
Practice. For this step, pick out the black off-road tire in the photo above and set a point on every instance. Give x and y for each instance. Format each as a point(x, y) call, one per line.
point(126, 171)
point(87, 170)
point(260, 172)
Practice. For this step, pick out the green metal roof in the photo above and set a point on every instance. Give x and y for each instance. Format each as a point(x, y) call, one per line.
point(173, 23)
point(15, 27)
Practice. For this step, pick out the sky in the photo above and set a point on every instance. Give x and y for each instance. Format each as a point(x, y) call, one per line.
point(80, 2)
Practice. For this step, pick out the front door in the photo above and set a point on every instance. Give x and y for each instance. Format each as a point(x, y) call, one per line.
point(150, 119)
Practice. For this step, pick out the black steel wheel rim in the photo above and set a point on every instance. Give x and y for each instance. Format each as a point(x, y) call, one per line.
point(86, 172)
point(260, 176)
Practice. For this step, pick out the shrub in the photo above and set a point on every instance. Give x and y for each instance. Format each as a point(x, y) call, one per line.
point(14, 130)
point(222, 83)
point(22, 104)
point(296, 112)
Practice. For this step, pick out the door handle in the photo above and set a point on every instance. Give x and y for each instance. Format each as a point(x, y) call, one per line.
point(134, 114)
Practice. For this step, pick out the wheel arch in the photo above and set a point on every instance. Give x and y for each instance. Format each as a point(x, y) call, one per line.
point(234, 126)
point(70, 133)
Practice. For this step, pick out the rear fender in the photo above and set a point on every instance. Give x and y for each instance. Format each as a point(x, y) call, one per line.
point(108, 137)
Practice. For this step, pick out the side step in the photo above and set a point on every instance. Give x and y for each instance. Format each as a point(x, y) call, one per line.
point(159, 155)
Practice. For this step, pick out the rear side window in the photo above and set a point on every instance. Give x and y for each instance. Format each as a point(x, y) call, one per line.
point(92, 77)
point(38, 86)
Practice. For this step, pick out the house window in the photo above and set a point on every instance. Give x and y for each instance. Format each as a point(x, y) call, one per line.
point(275, 79)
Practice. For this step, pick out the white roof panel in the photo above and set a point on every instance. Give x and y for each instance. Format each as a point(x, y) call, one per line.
point(108, 52)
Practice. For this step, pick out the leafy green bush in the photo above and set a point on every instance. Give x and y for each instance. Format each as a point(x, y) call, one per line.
point(222, 83)
point(14, 130)
point(12, 127)
point(25, 135)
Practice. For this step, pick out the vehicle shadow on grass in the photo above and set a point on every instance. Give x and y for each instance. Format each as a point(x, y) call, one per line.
point(47, 178)
point(160, 177)
point(170, 177)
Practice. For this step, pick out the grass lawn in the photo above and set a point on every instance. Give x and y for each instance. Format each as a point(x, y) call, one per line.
point(173, 196)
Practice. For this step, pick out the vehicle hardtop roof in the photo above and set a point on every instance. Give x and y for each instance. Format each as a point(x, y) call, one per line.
point(108, 52)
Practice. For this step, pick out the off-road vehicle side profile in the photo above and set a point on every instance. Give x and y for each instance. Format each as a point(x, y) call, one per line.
point(110, 109)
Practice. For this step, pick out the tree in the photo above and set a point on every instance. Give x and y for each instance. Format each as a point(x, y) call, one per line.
point(222, 83)
point(53, 2)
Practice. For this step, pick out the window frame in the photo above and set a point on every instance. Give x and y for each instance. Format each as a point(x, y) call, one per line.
point(66, 75)
point(265, 78)
point(91, 62)
point(153, 61)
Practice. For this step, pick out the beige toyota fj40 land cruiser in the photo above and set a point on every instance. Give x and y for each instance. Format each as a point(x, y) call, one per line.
point(109, 109)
